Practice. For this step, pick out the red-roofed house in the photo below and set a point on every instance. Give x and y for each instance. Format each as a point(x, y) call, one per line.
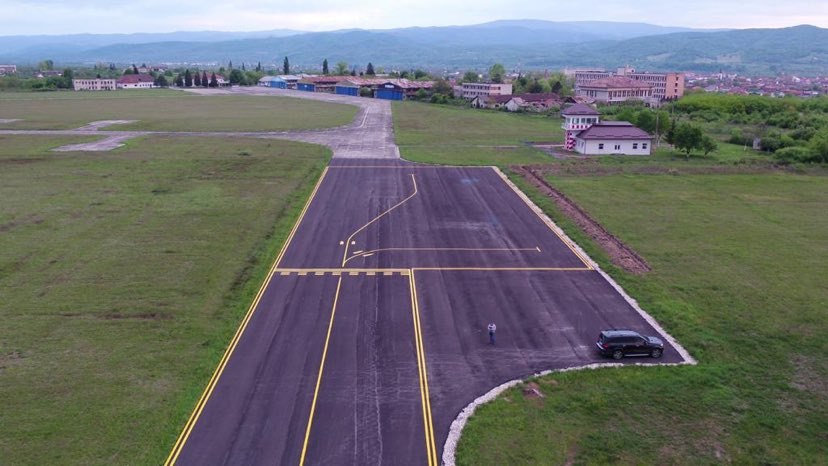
point(613, 137)
point(135, 81)
point(587, 134)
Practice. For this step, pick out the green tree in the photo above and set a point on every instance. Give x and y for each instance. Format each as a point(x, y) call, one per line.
point(161, 81)
point(197, 79)
point(204, 80)
point(286, 66)
point(341, 69)
point(325, 70)
point(46, 65)
point(213, 80)
point(259, 66)
point(353, 71)
point(534, 87)
point(420, 74)
point(688, 137)
point(230, 65)
point(135, 69)
point(237, 76)
point(179, 80)
point(441, 86)
point(497, 73)
point(819, 146)
point(471, 77)
point(188, 78)
point(646, 120)
point(369, 70)
point(128, 71)
point(708, 145)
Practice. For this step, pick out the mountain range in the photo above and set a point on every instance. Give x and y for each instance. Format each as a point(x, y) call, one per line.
point(518, 44)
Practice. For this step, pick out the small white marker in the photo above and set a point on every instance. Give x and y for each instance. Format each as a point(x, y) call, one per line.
point(353, 243)
point(341, 243)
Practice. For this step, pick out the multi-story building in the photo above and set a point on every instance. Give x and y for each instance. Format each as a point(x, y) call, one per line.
point(471, 90)
point(665, 86)
point(617, 89)
point(8, 69)
point(97, 84)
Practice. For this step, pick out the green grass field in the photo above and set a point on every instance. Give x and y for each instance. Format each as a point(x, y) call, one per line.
point(461, 136)
point(738, 278)
point(168, 110)
point(123, 276)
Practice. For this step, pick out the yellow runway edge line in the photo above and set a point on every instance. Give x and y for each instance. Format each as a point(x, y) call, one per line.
point(188, 427)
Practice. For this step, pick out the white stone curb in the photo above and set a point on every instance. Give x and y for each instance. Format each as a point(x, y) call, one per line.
point(456, 429)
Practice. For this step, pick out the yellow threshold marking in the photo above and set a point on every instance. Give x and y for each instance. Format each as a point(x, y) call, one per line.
point(526, 201)
point(208, 390)
point(373, 251)
point(428, 424)
point(319, 376)
point(350, 238)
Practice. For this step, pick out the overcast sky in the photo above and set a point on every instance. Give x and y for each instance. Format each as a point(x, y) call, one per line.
point(129, 16)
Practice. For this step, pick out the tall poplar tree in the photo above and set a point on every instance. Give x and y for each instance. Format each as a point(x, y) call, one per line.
point(286, 66)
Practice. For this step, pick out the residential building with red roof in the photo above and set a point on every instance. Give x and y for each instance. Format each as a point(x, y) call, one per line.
point(135, 81)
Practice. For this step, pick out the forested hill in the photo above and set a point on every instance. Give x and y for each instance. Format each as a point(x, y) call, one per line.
point(524, 45)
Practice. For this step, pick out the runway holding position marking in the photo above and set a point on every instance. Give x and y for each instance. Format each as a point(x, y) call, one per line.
point(370, 334)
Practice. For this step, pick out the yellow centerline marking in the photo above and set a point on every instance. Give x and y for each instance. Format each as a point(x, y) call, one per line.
point(373, 251)
point(178, 446)
point(348, 243)
point(428, 423)
point(319, 376)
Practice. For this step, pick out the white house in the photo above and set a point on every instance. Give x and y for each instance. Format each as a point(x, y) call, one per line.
point(93, 84)
point(613, 137)
point(587, 134)
point(135, 81)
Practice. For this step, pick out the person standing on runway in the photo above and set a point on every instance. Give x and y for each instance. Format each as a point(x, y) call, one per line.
point(492, 329)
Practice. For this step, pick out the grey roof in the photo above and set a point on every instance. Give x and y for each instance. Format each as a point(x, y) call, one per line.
point(580, 109)
point(615, 130)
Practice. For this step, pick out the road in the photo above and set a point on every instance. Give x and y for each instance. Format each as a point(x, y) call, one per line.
point(370, 335)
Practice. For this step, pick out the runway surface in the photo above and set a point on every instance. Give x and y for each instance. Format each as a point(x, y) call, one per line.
point(369, 336)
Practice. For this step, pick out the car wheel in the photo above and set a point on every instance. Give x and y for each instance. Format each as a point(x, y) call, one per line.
point(617, 354)
point(656, 353)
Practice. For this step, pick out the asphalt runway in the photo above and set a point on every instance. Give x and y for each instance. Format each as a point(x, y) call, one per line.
point(370, 334)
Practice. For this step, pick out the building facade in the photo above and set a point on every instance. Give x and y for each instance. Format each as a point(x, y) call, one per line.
point(471, 90)
point(8, 69)
point(665, 86)
point(613, 138)
point(615, 89)
point(97, 84)
point(135, 81)
point(577, 118)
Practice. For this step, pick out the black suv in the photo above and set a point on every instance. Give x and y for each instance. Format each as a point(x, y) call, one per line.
point(620, 343)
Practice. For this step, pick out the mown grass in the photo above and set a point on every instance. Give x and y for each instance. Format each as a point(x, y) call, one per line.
point(738, 279)
point(461, 136)
point(160, 110)
point(123, 276)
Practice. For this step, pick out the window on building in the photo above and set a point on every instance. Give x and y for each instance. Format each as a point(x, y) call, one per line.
point(635, 145)
point(618, 147)
point(600, 146)
point(643, 145)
